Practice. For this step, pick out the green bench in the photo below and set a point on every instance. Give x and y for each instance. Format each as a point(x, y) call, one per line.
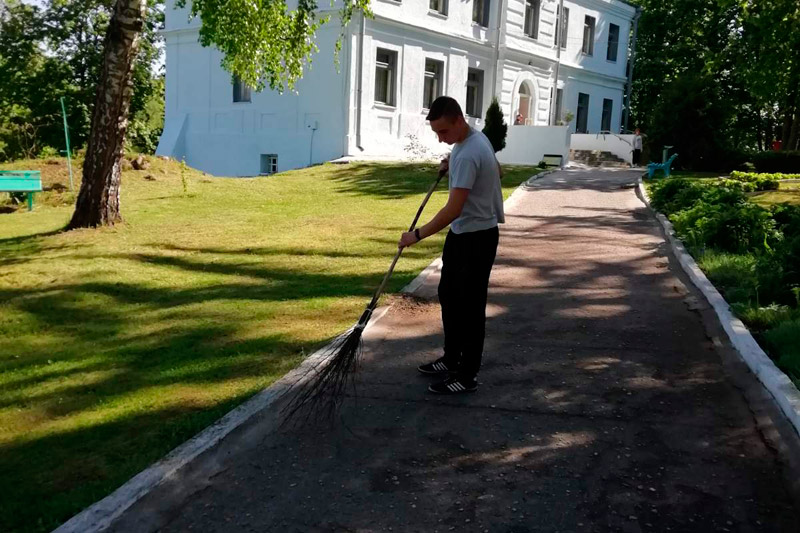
point(29, 181)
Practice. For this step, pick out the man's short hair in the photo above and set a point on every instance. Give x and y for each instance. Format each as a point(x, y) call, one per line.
point(444, 106)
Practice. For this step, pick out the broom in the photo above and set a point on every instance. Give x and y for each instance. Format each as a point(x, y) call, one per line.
point(322, 396)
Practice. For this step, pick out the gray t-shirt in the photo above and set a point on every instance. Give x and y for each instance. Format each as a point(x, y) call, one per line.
point(473, 166)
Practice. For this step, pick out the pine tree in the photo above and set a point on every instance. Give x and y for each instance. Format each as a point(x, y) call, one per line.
point(496, 127)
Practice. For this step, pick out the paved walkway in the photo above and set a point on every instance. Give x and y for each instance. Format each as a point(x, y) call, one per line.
point(603, 406)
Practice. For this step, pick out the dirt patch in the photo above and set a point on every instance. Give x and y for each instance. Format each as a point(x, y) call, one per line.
point(409, 304)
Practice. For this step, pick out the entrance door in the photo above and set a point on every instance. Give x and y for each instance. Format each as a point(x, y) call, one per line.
point(525, 100)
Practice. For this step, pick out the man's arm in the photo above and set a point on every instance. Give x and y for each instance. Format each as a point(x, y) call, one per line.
point(451, 211)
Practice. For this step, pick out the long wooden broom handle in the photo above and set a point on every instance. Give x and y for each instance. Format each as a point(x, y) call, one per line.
point(368, 311)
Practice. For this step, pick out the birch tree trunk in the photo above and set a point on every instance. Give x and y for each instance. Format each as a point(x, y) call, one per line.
point(98, 200)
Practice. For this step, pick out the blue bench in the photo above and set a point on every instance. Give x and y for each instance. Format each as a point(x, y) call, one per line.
point(665, 166)
point(29, 181)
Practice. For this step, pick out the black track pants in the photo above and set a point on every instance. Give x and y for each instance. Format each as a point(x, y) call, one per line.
point(466, 265)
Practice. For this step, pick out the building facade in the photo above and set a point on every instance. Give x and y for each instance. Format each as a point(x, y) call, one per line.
point(391, 67)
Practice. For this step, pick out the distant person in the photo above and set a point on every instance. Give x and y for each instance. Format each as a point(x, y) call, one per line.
point(777, 144)
point(637, 147)
point(519, 119)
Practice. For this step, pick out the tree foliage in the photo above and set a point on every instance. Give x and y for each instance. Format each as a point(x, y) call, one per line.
point(264, 43)
point(725, 72)
point(55, 51)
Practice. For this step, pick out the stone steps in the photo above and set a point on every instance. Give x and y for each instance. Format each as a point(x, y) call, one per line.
point(596, 158)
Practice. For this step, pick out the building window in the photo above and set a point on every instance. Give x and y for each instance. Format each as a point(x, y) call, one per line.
point(474, 92)
point(439, 6)
point(613, 42)
point(385, 68)
point(269, 163)
point(562, 29)
point(559, 104)
point(480, 12)
point(588, 35)
point(241, 92)
point(524, 114)
point(583, 113)
point(532, 8)
point(608, 106)
point(433, 82)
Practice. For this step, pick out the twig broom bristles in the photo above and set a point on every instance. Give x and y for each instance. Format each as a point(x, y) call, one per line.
point(322, 395)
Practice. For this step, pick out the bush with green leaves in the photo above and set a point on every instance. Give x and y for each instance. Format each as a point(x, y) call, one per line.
point(744, 186)
point(784, 339)
point(496, 128)
point(737, 227)
point(780, 161)
point(672, 195)
point(763, 181)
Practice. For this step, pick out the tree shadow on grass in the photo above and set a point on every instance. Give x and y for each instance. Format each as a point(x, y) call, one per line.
point(195, 363)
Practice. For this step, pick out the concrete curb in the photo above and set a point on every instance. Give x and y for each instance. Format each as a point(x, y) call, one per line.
point(776, 382)
point(100, 515)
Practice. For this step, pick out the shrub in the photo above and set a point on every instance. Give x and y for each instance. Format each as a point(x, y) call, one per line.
point(764, 318)
point(744, 186)
point(47, 152)
point(496, 127)
point(782, 161)
point(673, 194)
point(783, 342)
point(733, 274)
point(763, 181)
point(787, 218)
point(542, 164)
point(732, 227)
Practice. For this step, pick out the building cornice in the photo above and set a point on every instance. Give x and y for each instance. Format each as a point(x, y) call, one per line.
point(488, 44)
point(616, 80)
point(617, 7)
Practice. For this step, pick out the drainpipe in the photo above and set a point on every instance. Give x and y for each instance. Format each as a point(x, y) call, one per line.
point(497, 93)
point(359, 82)
point(554, 96)
point(626, 114)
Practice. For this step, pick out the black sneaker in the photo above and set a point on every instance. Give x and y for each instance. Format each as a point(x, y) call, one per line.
point(454, 385)
point(435, 368)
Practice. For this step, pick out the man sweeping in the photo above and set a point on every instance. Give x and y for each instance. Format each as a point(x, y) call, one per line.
point(473, 210)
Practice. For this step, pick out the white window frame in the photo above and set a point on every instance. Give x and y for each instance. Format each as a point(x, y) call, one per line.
point(437, 7)
point(533, 9)
point(612, 44)
point(269, 164)
point(603, 114)
point(562, 29)
point(480, 12)
point(589, 27)
point(241, 92)
point(433, 79)
point(390, 67)
point(578, 108)
point(477, 95)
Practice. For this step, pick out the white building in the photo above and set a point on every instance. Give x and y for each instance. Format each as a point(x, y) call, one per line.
point(390, 69)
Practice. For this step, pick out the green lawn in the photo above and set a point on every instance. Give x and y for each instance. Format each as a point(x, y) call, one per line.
point(118, 344)
point(786, 193)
